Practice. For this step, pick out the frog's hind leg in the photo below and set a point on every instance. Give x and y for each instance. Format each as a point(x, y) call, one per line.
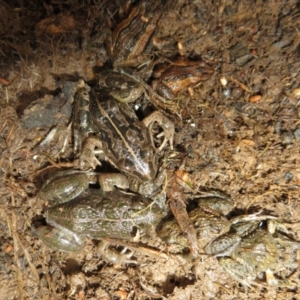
point(64, 185)
point(88, 156)
point(114, 256)
point(237, 271)
point(60, 239)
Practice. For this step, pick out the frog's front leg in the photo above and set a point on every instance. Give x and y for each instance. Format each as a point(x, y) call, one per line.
point(108, 181)
point(114, 256)
point(162, 89)
point(82, 121)
point(165, 123)
point(150, 187)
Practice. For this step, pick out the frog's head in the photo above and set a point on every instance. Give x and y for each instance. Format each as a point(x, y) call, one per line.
point(143, 164)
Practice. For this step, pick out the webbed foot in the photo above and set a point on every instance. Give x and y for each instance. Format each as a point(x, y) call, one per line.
point(113, 256)
point(88, 157)
point(165, 123)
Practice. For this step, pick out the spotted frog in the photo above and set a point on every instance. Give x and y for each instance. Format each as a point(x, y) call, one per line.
point(252, 248)
point(128, 42)
point(78, 211)
point(173, 77)
point(263, 255)
point(111, 130)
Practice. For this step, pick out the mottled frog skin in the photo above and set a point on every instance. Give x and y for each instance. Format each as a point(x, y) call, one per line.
point(124, 140)
point(113, 127)
point(263, 255)
point(128, 42)
point(253, 249)
point(78, 211)
point(120, 87)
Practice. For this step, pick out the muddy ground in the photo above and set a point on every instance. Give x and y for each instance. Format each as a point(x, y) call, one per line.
point(237, 132)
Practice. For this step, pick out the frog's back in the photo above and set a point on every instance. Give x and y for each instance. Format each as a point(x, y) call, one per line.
point(112, 214)
point(126, 140)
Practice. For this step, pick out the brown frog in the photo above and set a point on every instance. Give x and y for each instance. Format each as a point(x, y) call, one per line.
point(173, 77)
point(107, 129)
point(128, 42)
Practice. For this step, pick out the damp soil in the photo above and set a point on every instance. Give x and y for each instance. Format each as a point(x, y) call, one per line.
point(237, 132)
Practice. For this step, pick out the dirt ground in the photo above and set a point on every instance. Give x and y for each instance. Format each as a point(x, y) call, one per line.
point(238, 132)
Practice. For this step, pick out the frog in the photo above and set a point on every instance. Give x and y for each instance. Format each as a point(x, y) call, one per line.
point(250, 248)
point(128, 43)
point(103, 123)
point(129, 46)
point(244, 248)
point(171, 77)
point(78, 211)
point(263, 255)
point(208, 218)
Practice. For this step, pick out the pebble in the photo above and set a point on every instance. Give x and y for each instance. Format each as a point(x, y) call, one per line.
point(288, 176)
point(237, 93)
point(287, 138)
point(297, 134)
point(277, 127)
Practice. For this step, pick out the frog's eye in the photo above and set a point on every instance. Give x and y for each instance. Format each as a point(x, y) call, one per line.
point(128, 164)
point(134, 231)
point(130, 168)
point(146, 153)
